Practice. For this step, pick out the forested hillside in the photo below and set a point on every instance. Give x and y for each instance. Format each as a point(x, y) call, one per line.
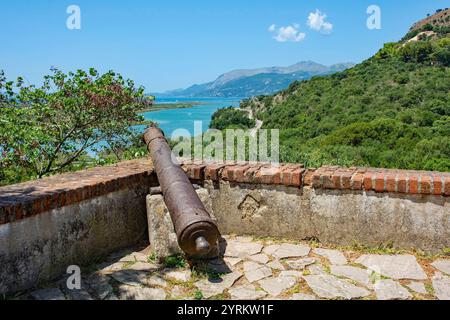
point(231, 118)
point(392, 110)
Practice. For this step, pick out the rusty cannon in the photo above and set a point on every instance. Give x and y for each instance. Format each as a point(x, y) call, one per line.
point(197, 234)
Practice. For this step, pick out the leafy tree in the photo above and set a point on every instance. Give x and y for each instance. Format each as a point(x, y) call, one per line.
point(389, 50)
point(47, 129)
point(231, 118)
point(442, 56)
point(418, 51)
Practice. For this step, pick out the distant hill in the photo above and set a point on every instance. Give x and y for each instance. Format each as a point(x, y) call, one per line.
point(390, 111)
point(252, 82)
point(440, 18)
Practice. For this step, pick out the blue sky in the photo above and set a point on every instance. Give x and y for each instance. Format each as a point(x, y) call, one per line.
point(168, 44)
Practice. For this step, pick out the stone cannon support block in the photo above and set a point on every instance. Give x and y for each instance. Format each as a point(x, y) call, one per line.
point(161, 233)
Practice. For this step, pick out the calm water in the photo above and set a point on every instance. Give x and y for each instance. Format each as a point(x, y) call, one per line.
point(184, 118)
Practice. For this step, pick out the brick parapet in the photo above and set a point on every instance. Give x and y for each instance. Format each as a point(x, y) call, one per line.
point(326, 177)
point(27, 199)
point(24, 200)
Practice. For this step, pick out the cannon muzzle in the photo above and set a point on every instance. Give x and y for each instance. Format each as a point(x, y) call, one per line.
point(196, 232)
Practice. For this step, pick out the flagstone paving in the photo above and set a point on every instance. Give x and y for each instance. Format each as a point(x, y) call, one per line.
point(388, 289)
point(260, 269)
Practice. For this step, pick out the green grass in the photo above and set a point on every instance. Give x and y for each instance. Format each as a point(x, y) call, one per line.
point(175, 261)
point(128, 264)
point(374, 277)
point(429, 288)
point(295, 289)
point(446, 251)
point(152, 258)
point(198, 295)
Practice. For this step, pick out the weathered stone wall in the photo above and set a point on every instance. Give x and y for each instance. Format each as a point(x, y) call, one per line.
point(331, 216)
point(49, 224)
point(94, 212)
point(404, 208)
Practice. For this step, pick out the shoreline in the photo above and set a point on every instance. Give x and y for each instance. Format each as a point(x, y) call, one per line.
point(169, 106)
point(180, 105)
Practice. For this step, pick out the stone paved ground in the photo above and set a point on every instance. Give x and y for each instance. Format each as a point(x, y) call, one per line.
point(262, 269)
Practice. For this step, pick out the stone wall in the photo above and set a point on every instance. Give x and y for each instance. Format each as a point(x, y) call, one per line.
point(71, 219)
point(331, 216)
point(75, 218)
point(403, 208)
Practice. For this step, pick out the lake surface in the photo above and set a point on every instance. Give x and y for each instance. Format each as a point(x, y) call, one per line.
point(182, 118)
point(185, 118)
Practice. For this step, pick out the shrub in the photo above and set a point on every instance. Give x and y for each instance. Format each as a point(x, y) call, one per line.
point(49, 129)
point(231, 118)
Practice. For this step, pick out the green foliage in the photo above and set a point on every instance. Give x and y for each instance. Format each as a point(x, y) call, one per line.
point(152, 258)
point(176, 261)
point(231, 118)
point(126, 147)
point(441, 52)
point(198, 295)
point(389, 50)
point(418, 51)
point(440, 30)
point(389, 111)
point(430, 52)
point(432, 49)
point(50, 129)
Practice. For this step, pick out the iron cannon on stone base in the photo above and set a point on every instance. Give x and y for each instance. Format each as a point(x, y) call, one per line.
point(197, 233)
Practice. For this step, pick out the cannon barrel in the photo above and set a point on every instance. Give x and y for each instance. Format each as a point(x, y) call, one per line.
point(196, 232)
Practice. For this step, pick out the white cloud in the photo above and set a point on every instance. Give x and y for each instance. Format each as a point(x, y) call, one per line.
point(288, 33)
point(316, 21)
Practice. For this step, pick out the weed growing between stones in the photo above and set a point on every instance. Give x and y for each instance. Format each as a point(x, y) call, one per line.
point(152, 258)
point(176, 261)
point(198, 295)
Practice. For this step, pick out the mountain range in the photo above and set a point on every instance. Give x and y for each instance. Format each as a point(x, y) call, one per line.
point(254, 82)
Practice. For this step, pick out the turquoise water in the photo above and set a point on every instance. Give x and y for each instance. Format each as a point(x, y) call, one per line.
point(184, 118)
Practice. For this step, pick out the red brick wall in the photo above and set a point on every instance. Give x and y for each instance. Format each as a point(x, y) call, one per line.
point(327, 177)
point(30, 198)
point(27, 199)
